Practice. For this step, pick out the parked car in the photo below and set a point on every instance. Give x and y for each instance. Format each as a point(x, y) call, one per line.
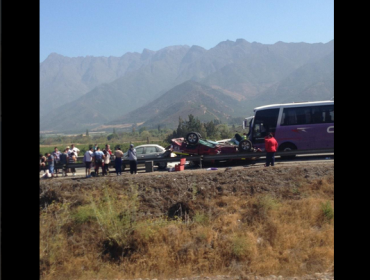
point(150, 152)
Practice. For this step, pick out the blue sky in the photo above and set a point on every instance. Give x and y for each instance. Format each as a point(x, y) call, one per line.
point(114, 27)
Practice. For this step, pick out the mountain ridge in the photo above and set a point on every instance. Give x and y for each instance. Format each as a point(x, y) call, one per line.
point(250, 73)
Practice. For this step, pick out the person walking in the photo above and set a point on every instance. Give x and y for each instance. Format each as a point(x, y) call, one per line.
point(106, 162)
point(133, 159)
point(63, 159)
point(118, 161)
point(271, 146)
point(88, 159)
point(98, 157)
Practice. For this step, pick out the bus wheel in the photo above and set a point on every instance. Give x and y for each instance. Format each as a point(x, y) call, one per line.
point(287, 148)
point(245, 146)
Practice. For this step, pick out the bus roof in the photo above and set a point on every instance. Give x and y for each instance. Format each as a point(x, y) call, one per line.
point(293, 104)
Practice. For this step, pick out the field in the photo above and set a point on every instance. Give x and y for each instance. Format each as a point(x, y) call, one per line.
point(243, 221)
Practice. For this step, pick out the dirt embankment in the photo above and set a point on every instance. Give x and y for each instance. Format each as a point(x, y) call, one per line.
point(161, 191)
point(240, 223)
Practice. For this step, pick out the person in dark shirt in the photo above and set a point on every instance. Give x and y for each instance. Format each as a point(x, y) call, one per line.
point(63, 159)
point(50, 161)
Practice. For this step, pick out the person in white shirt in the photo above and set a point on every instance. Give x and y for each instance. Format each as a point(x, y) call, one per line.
point(75, 150)
point(88, 159)
point(106, 162)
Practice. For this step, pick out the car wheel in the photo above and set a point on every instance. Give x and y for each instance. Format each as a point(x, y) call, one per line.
point(162, 165)
point(123, 167)
point(287, 147)
point(245, 146)
point(193, 138)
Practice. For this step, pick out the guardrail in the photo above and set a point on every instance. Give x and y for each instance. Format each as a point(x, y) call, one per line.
point(202, 158)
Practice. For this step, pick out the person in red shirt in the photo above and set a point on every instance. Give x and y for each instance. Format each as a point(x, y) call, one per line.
point(271, 147)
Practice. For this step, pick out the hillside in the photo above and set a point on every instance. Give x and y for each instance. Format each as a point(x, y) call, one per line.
point(190, 97)
point(243, 222)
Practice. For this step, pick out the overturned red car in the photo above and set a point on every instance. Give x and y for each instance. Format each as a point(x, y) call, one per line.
point(193, 144)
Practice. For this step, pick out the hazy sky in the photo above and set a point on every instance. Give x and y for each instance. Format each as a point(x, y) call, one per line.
point(114, 27)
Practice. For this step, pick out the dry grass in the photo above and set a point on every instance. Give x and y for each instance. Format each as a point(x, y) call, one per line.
point(105, 236)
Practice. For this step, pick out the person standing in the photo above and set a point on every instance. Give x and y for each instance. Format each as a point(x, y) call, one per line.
point(106, 162)
point(50, 160)
point(88, 159)
point(42, 163)
point(56, 155)
point(75, 150)
point(133, 159)
point(118, 161)
point(64, 160)
point(72, 159)
point(98, 157)
point(271, 146)
point(107, 148)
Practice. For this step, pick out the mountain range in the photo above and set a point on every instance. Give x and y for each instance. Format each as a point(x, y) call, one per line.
point(158, 87)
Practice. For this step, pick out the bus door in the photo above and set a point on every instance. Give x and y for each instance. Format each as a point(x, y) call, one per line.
point(265, 121)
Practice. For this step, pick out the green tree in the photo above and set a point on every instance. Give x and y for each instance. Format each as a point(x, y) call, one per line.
point(211, 129)
point(141, 129)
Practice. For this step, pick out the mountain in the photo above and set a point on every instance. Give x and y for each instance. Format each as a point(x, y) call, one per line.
point(187, 98)
point(311, 82)
point(64, 79)
point(249, 73)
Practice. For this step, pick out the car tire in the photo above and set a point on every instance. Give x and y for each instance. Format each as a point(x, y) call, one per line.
point(162, 165)
point(193, 138)
point(245, 146)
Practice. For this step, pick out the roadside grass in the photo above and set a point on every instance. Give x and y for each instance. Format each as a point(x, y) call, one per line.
point(106, 237)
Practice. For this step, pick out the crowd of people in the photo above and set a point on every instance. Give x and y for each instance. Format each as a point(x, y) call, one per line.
point(94, 157)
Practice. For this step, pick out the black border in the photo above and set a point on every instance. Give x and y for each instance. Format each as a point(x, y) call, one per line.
point(20, 125)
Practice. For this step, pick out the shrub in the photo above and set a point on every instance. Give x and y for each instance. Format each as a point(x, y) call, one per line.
point(327, 211)
point(116, 217)
point(201, 218)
